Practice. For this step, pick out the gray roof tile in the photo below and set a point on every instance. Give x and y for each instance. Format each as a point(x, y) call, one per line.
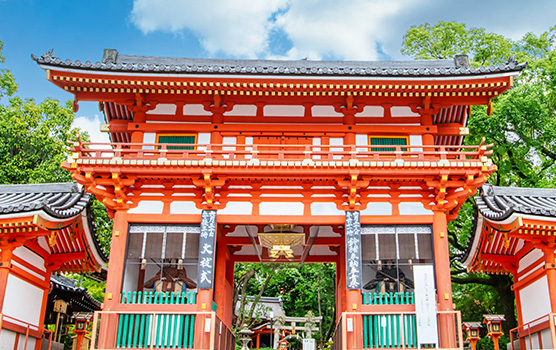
point(60, 200)
point(113, 61)
point(499, 203)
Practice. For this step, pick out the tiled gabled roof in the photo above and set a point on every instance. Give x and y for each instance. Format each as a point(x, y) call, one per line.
point(499, 203)
point(113, 61)
point(67, 289)
point(60, 200)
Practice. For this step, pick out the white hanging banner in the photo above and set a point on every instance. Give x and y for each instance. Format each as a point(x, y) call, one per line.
point(425, 304)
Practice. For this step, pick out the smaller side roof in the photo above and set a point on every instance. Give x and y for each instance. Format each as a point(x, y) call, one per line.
point(79, 298)
point(499, 203)
point(59, 200)
point(502, 205)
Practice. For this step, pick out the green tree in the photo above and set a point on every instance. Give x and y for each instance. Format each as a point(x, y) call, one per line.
point(522, 128)
point(303, 288)
point(447, 39)
point(34, 142)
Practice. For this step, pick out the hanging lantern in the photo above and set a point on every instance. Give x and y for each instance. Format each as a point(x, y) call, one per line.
point(281, 241)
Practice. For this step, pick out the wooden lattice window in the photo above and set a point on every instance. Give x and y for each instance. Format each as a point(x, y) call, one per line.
point(387, 141)
point(179, 139)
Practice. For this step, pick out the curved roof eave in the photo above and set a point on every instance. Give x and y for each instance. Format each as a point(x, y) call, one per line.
point(165, 66)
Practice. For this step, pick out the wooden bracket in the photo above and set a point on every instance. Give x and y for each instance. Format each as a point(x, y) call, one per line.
point(208, 183)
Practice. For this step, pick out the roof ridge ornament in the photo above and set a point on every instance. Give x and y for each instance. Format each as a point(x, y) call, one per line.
point(48, 54)
point(110, 56)
point(461, 61)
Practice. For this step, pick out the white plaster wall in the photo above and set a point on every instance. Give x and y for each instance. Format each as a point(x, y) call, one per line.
point(237, 208)
point(31, 257)
point(23, 300)
point(378, 208)
point(243, 110)
point(362, 140)
point(164, 108)
point(325, 208)
point(402, 111)
point(195, 109)
point(325, 111)
point(203, 138)
point(229, 141)
point(372, 111)
point(416, 140)
point(547, 339)
point(281, 208)
point(530, 258)
point(413, 208)
point(149, 137)
point(183, 207)
point(148, 207)
point(535, 300)
point(7, 339)
point(283, 111)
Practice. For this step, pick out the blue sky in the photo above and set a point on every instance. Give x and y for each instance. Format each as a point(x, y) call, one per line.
point(293, 29)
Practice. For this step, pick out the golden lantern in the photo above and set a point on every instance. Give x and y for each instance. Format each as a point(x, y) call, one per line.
point(281, 241)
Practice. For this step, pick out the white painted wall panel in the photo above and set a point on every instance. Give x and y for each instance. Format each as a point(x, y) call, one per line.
point(23, 300)
point(7, 339)
point(400, 111)
point(148, 207)
point(184, 207)
point(325, 111)
point(203, 138)
point(371, 111)
point(164, 108)
point(530, 258)
point(237, 208)
point(283, 111)
point(325, 208)
point(30, 256)
point(362, 140)
point(378, 208)
point(195, 109)
point(281, 208)
point(535, 300)
point(413, 208)
point(547, 339)
point(415, 140)
point(243, 110)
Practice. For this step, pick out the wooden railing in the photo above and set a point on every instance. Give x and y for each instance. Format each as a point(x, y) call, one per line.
point(199, 330)
point(529, 332)
point(27, 328)
point(390, 330)
point(142, 151)
point(373, 298)
point(159, 298)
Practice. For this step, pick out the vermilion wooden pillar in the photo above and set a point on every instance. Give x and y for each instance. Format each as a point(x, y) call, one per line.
point(5, 263)
point(223, 293)
point(107, 335)
point(550, 267)
point(446, 323)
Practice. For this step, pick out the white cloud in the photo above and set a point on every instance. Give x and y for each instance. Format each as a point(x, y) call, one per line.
point(91, 126)
point(235, 27)
point(348, 29)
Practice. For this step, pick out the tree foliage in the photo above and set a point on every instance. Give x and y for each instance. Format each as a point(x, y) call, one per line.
point(522, 129)
point(303, 288)
point(34, 142)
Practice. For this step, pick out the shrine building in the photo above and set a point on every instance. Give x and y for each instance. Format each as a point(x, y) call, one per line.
point(214, 162)
point(514, 234)
point(44, 229)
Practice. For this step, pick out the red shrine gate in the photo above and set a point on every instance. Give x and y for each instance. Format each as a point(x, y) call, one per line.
point(216, 162)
